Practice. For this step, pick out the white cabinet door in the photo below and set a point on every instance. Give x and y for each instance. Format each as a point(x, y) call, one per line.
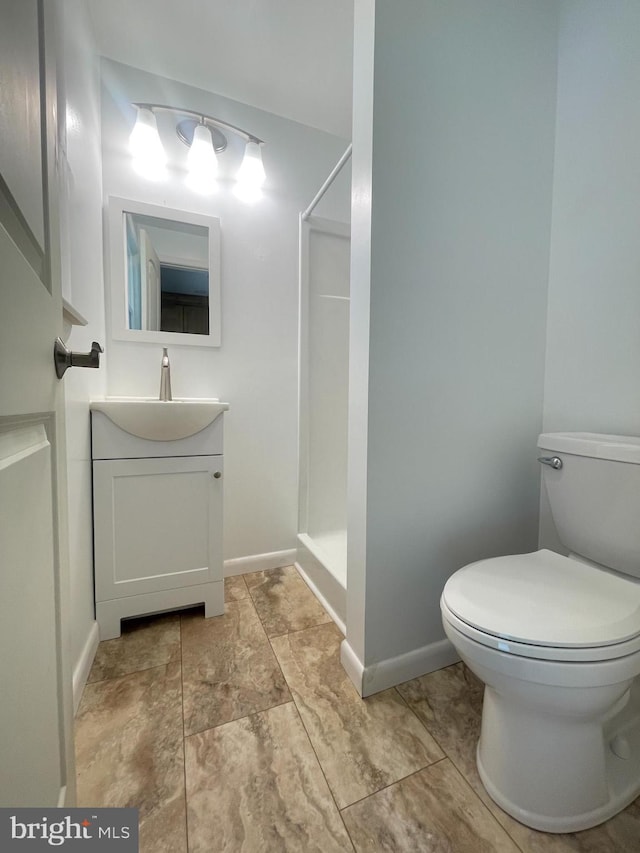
point(158, 524)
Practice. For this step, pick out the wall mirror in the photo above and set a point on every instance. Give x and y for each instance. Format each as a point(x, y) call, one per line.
point(164, 269)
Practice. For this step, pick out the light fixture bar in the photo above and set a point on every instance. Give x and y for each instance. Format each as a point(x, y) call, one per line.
point(203, 119)
point(203, 135)
point(186, 129)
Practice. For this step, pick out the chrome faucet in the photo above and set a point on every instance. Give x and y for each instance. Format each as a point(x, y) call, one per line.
point(165, 377)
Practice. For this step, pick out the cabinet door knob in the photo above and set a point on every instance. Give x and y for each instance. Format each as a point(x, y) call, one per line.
point(217, 475)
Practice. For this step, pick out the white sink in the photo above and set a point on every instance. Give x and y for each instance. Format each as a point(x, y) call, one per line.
point(146, 417)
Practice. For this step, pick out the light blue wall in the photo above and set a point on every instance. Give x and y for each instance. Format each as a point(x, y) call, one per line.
point(593, 331)
point(593, 353)
point(459, 195)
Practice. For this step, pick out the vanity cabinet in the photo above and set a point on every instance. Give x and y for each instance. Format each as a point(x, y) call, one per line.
point(157, 509)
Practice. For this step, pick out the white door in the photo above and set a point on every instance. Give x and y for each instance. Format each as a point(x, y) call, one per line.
point(150, 269)
point(36, 747)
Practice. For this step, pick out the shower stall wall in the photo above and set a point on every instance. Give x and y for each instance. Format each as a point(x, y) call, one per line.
point(324, 388)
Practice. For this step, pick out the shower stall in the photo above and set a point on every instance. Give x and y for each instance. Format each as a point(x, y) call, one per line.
point(325, 248)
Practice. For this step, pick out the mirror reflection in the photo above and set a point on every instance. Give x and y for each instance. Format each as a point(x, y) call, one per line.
point(163, 266)
point(167, 271)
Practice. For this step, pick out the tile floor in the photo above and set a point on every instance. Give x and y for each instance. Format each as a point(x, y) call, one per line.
point(243, 733)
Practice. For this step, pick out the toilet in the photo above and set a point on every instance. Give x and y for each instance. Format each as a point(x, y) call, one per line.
point(556, 641)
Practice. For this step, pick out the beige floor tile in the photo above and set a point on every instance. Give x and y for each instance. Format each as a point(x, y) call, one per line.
point(144, 643)
point(228, 667)
point(362, 745)
point(620, 834)
point(129, 753)
point(165, 830)
point(129, 740)
point(449, 702)
point(433, 810)
point(284, 602)
point(235, 588)
point(254, 786)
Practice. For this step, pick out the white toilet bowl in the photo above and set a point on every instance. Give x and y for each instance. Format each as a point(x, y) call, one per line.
point(557, 644)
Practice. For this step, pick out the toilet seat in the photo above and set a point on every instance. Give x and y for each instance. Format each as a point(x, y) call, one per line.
point(546, 606)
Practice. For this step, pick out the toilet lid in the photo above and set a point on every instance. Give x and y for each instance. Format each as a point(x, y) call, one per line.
point(544, 599)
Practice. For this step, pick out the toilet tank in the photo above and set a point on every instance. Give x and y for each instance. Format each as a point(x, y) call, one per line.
point(595, 496)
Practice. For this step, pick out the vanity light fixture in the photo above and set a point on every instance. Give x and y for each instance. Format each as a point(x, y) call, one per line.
point(251, 174)
point(204, 136)
point(149, 159)
point(202, 162)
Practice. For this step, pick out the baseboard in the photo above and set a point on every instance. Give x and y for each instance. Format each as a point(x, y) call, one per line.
point(352, 665)
point(259, 562)
point(387, 673)
point(83, 665)
point(323, 583)
point(323, 601)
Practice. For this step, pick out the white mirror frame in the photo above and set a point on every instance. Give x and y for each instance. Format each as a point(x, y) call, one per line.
point(117, 274)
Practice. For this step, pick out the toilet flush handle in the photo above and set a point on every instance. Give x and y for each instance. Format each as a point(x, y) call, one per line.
point(553, 461)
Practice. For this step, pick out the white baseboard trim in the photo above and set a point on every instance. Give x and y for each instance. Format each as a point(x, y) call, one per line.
point(259, 562)
point(352, 665)
point(323, 601)
point(387, 673)
point(83, 665)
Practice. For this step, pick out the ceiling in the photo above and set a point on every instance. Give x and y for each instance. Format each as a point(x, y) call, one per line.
point(289, 57)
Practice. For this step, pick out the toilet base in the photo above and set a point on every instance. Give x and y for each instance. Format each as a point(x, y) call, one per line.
point(565, 770)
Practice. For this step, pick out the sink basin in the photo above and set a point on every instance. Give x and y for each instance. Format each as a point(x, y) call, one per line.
point(146, 417)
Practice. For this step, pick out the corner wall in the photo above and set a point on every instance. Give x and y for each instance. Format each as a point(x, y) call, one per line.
point(81, 225)
point(452, 201)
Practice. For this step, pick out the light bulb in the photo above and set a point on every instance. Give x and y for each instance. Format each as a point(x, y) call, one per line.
point(149, 158)
point(251, 174)
point(202, 163)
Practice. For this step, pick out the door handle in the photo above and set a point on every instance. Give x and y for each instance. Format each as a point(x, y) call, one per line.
point(552, 461)
point(64, 358)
